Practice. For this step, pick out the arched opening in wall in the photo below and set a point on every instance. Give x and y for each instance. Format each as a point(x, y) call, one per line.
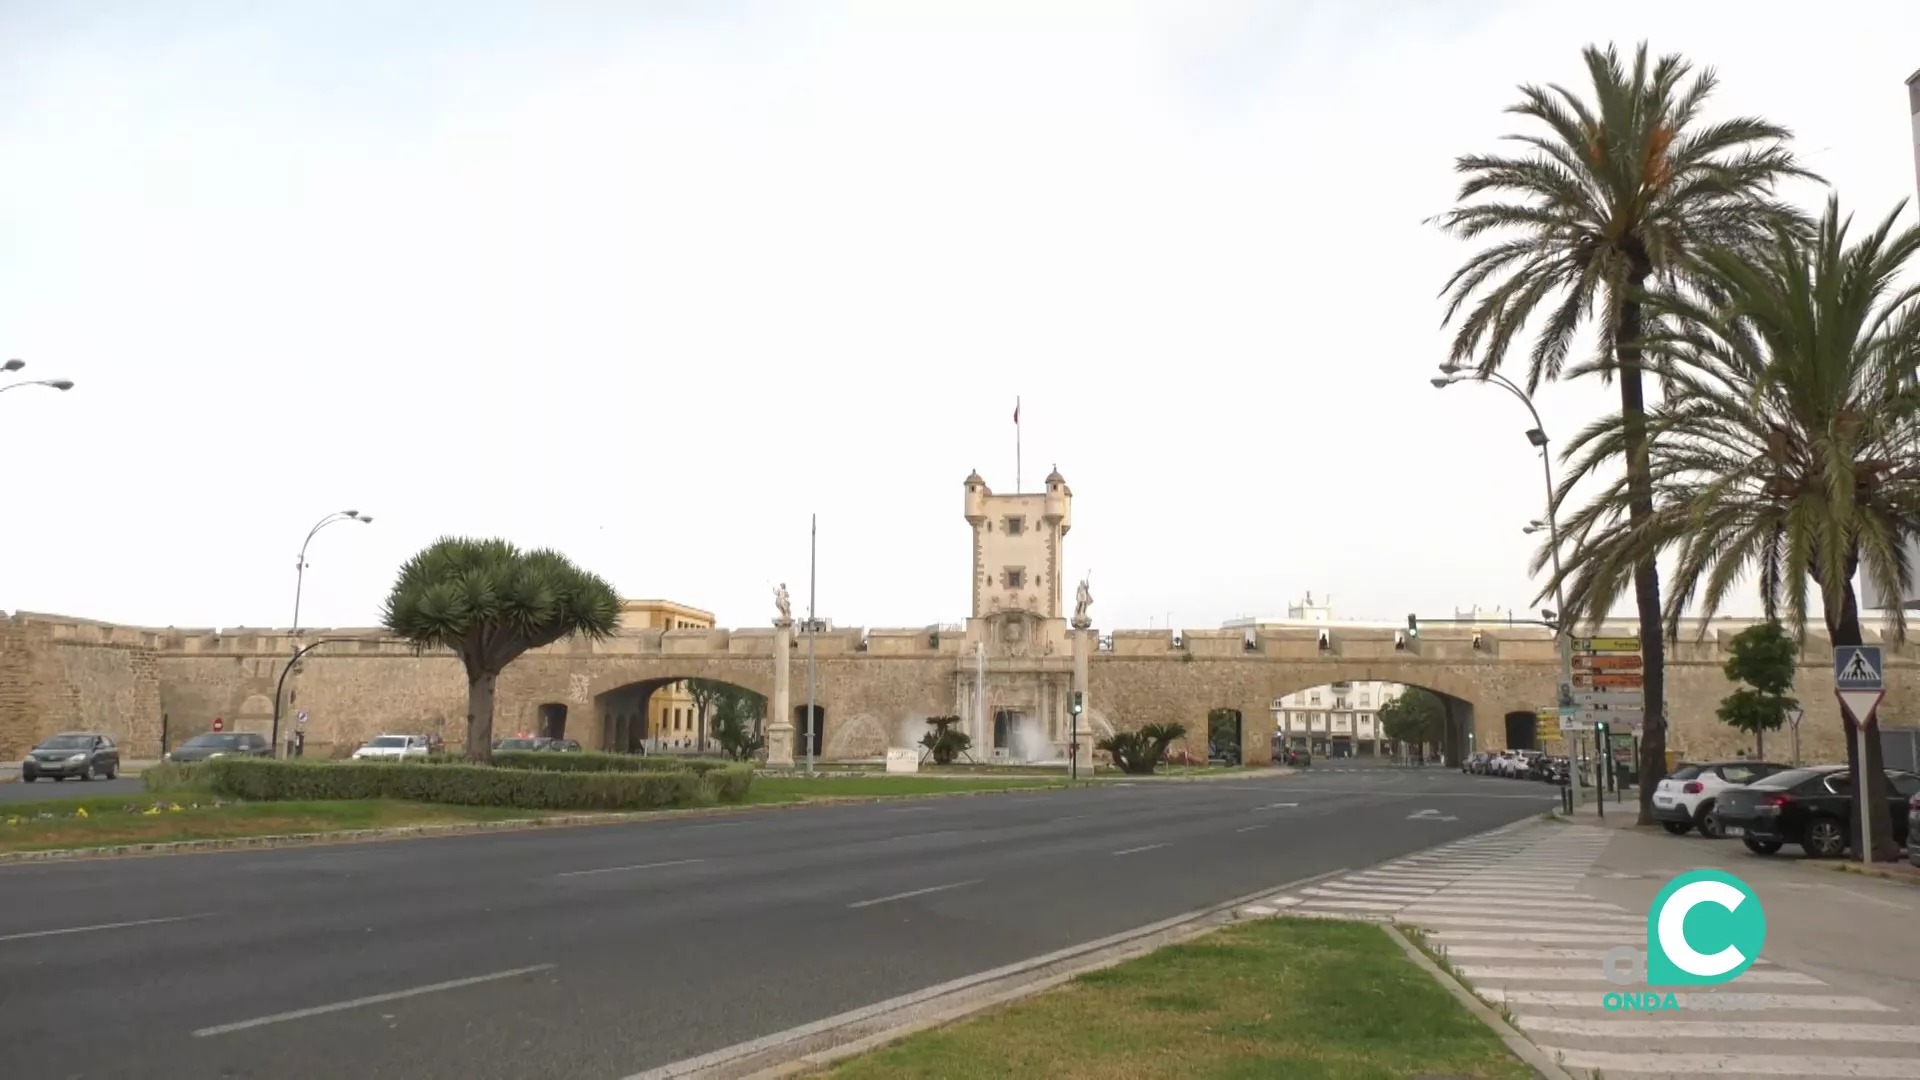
point(1523, 731)
point(1223, 736)
point(1369, 721)
point(805, 733)
point(687, 715)
point(553, 721)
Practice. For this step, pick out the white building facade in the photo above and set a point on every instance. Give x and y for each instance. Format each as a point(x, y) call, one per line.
point(1338, 720)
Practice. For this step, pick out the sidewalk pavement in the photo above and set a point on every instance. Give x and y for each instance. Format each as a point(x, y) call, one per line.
point(1526, 915)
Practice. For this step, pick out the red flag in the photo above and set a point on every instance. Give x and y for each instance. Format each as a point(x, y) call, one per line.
point(1016, 410)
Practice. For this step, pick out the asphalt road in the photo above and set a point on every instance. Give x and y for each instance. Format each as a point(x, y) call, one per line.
point(661, 940)
point(45, 790)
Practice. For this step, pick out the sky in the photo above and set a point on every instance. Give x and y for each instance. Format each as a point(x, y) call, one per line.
point(653, 283)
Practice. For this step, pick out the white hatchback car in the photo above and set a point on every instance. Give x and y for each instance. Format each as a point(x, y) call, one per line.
point(392, 748)
point(1684, 800)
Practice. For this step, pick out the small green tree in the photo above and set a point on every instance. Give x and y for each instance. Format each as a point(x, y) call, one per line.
point(737, 721)
point(1764, 657)
point(1223, 727)
point(1140, 752)
point(489, 602)
point(945, 741)
point(1416, 716)
point(704, 692)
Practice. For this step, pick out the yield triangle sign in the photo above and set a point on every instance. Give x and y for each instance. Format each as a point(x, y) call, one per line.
point(1860, 703)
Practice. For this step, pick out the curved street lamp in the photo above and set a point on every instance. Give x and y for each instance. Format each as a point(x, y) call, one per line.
point(16, 365)
point(1451, 373)
point(300, 567)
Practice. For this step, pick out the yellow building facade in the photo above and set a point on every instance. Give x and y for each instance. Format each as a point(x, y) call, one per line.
point(671, 717)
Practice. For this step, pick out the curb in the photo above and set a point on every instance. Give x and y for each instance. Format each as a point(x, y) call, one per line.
point(1908, 877)
point(1522, 1047)
point(425, 832)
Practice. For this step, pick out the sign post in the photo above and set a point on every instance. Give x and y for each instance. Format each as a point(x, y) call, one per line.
point(219, 724)
point(1609, 687)
point(1860, 682)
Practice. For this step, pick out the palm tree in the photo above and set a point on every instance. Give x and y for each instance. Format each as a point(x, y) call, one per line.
point(489, 601)
point(1787, 447)
point(1629, 188)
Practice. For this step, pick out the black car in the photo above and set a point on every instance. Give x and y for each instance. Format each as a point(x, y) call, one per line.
point(83, 754)
point(1811, 807)
point(213, 744)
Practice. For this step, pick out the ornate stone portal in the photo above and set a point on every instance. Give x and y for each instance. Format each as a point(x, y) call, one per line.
point(1011, 683)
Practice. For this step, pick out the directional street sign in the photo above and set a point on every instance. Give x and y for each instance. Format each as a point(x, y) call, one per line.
point(1859, 680)
point(1607, 645)
point(1612, 680)
point(1605, 662)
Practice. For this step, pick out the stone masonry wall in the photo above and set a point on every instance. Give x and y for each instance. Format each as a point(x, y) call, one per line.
point(876, 687)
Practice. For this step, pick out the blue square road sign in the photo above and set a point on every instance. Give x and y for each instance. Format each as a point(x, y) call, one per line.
point(1858, 667)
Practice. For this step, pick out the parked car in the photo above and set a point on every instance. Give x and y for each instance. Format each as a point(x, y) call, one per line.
point(212, 744)
point(1556, 771)
point(1685, 800)
point(392, 748)
point(1475, 763)
point(569, 746)
point(1913, 830)
point(521, 742)
point(1811, 807)
point(84, 754)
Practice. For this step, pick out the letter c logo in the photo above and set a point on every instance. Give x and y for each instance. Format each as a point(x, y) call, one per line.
point(1673, 928)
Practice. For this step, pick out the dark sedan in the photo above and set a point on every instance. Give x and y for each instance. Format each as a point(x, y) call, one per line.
point(81, 754)
point(1811, 807)
point(222, 744)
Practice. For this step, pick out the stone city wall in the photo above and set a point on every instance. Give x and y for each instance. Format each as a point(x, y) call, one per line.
point(875, 687)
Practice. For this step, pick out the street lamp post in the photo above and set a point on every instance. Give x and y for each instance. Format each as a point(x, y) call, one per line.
point(1793, 724)
point(1451, 373)
point(299, 584)
point(16, 365)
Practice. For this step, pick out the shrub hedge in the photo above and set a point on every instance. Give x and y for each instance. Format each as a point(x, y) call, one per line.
point(176, 776)
point(590, 761)
point(468, 785)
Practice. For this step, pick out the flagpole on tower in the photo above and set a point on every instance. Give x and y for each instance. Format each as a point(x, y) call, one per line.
point(1016, 445)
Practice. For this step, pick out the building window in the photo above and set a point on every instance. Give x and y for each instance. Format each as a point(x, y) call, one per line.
point(1016, 578)
point(1014, 525)
point(1313, 698)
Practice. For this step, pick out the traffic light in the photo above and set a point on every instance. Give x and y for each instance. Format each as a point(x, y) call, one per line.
point(1077, 702)
point(1413, 626)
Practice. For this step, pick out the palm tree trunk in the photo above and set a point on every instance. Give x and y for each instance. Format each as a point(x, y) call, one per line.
point(1646, 575)
point(1864, 761)
point(480, 718)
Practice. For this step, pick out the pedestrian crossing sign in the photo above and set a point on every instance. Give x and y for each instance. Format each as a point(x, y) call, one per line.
point(1858, 667)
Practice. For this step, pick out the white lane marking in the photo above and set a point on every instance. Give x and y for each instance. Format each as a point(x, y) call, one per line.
point(1250, 828)
point(1350, 892)
point(1350, 905)
point(1739, 1064)
point(1276, 806)
point(101, 926)
point(1584, 999)
point(1460, 909)
point(1697, 1029)
point(374, 999)
point(1569, 926)
point(1593, 974)
point(909, 809)
point(1543, 952)
point(1593, 937)
point(915, 892)
point(1138, 850)
point(636, 866)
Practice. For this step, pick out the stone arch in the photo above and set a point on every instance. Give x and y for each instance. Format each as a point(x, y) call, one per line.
point(255, 715)
point(861, 736)
point(621, 710)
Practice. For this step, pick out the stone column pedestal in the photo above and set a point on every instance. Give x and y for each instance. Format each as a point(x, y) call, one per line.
point(1081, 729)
point(780, 709)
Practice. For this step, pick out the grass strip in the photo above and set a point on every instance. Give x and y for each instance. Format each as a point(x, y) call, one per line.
point(1306, 999)
point(113, 820)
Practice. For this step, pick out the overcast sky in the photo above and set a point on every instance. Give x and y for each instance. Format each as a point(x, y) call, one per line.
point(650, 283)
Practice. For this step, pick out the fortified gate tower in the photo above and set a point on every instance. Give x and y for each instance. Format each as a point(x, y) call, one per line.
point(1016, 667)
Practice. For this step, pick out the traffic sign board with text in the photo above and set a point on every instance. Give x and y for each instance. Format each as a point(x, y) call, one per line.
point(1606, 645)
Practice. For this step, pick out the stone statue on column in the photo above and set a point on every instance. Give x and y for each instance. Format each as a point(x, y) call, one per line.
point(780, 720)
point(1082, 600)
